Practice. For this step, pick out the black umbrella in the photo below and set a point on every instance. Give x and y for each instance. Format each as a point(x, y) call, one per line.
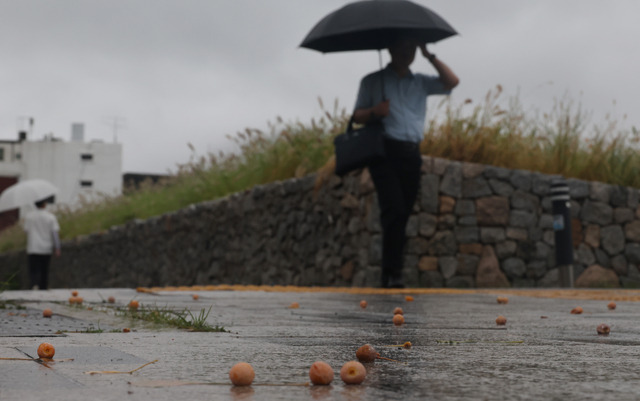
point(372, 24)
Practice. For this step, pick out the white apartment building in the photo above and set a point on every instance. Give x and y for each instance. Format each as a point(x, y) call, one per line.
point(77, 168)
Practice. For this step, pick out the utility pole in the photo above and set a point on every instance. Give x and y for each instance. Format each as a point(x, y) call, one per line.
point(116, 123)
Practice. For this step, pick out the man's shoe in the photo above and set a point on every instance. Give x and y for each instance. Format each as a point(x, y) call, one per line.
point(396, 282)
point(384, 281)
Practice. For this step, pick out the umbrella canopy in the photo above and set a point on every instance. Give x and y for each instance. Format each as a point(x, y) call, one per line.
point(25, 193)
point(372, 24)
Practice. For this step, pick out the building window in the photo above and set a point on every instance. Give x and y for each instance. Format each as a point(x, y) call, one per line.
point(86, 156)
point(1, 154)
point(18, 156)
point(86, 183)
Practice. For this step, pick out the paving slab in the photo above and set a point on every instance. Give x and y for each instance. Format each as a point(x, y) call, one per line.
point(458, 352)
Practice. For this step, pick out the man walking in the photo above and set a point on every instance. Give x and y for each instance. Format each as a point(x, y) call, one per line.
point(42, 230)
point(397, 97)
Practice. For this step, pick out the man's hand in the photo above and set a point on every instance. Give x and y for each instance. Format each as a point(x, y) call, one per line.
point(381, 109)
point(368, 115)
point(425, 52)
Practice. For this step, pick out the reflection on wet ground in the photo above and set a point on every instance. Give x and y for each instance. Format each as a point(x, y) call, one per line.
point(457, 352)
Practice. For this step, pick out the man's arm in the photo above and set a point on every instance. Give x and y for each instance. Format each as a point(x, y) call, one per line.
point(56, 243)
point(370, 114)
point(448, 78)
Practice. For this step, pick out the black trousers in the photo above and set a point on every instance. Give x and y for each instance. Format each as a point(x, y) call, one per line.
point(39, 270)
point(397, 181)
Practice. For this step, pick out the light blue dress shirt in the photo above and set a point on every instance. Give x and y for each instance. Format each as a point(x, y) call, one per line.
point(407, 100)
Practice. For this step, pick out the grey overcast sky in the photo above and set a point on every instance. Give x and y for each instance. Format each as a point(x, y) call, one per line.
point(192, 71)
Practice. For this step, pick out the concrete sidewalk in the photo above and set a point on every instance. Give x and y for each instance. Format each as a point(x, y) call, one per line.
point(458, 352)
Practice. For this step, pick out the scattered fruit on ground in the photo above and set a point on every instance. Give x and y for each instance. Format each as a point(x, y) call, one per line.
point(363, 304)
point(398, 320)
point(79, 300)
point(126, 330)
point(576, 311)
point(195, 297)
point(89, 307)
point(501, 320)
point(408, 298)
point(367, 353)
point(398, 311)
point(603, 329)
point(111, 300)
point(74, 293)
point(134, 304)
point(294, 305)
point(612, 305)
point(47, 313)
point(72, 300)
point(321, 373)
point(242, 374)
point(353, 372)
point(407, 345)
point(46, 351)
point(503, 300)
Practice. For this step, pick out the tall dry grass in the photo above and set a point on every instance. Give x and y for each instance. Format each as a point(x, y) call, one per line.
point(495, 132)
point(556, 142)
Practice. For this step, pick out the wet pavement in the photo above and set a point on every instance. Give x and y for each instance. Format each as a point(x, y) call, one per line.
point(458, 352)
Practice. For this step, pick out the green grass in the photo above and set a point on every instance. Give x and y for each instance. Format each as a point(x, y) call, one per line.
point(559, 141)
point(184, 319)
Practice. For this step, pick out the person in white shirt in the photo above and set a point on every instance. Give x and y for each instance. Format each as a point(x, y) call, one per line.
point(42, 230)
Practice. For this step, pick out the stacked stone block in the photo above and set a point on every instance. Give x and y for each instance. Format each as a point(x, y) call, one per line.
point(473, 226)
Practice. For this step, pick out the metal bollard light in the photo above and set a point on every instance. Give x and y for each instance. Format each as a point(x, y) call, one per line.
point(562, 226)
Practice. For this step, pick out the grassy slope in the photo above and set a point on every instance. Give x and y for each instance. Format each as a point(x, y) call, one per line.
point(558, 142)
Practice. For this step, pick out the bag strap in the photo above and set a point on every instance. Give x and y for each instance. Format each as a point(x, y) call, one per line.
point(384, 96)
point(350, 125)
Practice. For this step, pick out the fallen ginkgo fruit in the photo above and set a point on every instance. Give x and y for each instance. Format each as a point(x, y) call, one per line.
point(195, 297)
point(72, 300)
point(353, 372)
point(363, 304)
point(47, 313)
point(294, 305)
point(501, 320)
point(612, 305)
point(503, 300)
point(74, 293)
point(603, 329)
point(134, 304)
point(367, 353)
point(242, 374)
point(576, 311)
point(398, 311)
point(398, 320)
point(126, 330)
point(321, 373)
point(111, 300)
point(46, 351)
point(408, 298)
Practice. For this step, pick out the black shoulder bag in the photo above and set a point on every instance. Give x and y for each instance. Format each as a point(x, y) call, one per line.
point(360, 147)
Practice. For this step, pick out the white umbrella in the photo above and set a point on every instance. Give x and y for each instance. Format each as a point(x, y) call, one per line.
point(26, 193)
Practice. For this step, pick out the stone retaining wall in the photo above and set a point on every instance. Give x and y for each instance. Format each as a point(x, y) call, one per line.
point(473, 226)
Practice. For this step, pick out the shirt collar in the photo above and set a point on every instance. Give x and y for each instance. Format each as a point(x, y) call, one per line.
point(389, 71)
